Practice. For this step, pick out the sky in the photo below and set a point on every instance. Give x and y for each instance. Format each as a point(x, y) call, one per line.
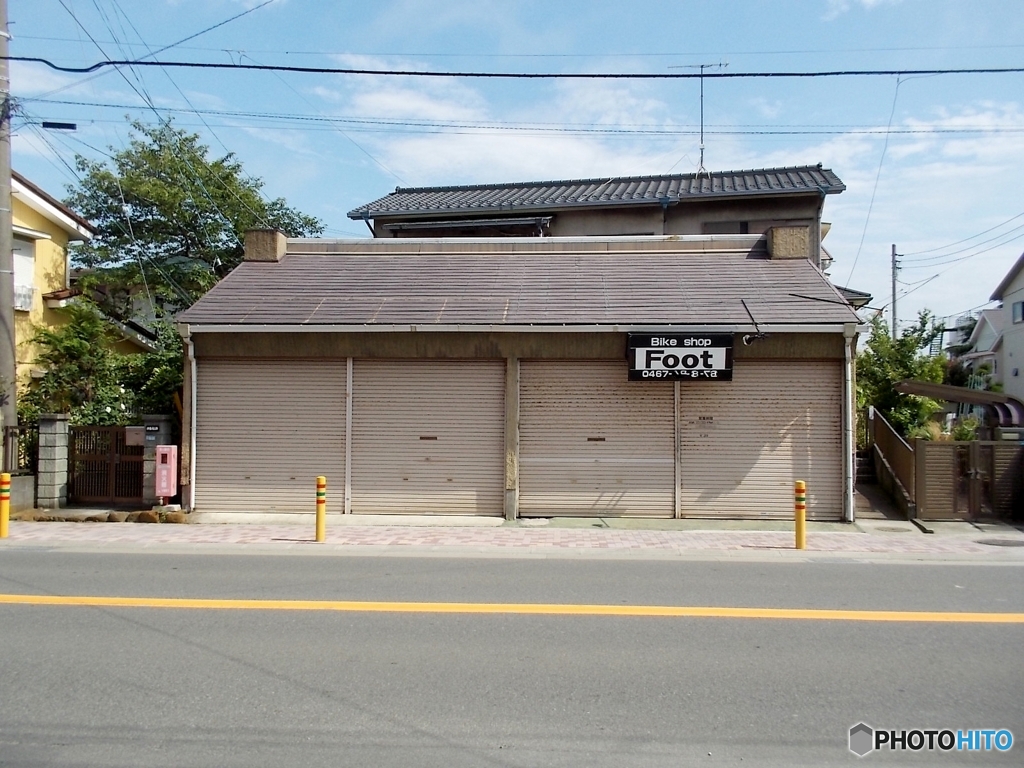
point(932, 163)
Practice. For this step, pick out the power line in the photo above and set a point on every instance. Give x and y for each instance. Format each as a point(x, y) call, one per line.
point(966, 239)
point(484, 126)
point(874, 188)
point(608, 55)
point(258, 216)
point(166, 47)
point(976, 253)
point(165, 123)
point(514, 75)
point(334, 125)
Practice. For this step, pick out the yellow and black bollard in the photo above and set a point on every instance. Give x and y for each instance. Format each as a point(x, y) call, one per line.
point(321, 508)
point(5, 504)
point(800, 512)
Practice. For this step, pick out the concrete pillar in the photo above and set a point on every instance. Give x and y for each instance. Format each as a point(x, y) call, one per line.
point(52, 477)
point(159, 431)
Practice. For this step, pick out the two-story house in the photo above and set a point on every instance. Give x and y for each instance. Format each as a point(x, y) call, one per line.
point(43, 229)
point(1010, 292)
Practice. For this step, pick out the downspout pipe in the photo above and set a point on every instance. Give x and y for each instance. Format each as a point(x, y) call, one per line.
point(191, 357)
point(665, 203)
point(849, 466)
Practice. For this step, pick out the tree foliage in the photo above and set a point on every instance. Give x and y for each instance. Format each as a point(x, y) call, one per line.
point(885, 362)
point(85, 377)
point(170, 217)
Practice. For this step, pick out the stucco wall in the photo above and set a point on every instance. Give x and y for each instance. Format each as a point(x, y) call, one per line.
point(50, 275)
point(688, 218)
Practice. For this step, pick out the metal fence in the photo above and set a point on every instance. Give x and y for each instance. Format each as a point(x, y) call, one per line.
point(21, 449)
point(969, 480)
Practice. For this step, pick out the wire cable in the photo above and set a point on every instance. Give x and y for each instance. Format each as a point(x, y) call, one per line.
point(514, 75)
point(874, 188)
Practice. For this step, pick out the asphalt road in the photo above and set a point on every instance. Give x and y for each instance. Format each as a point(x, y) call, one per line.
point(97, 686)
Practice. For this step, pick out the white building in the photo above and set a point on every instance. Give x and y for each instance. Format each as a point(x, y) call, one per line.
point(1010, 367)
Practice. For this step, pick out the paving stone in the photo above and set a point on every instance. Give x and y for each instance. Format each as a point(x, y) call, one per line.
point(507, 539)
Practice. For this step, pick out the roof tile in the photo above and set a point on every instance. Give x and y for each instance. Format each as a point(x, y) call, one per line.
point(554, 282)
point(428, 201)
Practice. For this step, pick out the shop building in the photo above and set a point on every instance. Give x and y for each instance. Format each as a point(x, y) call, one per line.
point(643, 375)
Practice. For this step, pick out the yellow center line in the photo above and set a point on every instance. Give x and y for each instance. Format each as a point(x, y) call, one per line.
point(545, 609)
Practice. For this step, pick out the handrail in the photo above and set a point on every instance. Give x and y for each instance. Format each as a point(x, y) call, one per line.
point(897, 452)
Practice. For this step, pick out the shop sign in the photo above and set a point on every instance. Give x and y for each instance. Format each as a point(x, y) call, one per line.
point(683, 356)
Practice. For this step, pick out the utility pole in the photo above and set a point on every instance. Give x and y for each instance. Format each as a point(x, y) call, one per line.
point(895, 270)
point(8, 349)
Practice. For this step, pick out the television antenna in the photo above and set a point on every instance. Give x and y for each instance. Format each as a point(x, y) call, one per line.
point(720, 65)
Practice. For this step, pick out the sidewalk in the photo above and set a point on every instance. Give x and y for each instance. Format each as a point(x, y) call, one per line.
point(557, 537)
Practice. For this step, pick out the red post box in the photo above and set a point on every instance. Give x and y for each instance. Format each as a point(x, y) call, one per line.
point(166, 472)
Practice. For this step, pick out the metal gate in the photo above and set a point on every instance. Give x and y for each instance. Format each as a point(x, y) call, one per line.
point(969, 480)
point(102, 469)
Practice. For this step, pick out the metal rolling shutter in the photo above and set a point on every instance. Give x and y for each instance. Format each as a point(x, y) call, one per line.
point(593, 443)
point(428, 437)
point(742, 444)
point(264, 430)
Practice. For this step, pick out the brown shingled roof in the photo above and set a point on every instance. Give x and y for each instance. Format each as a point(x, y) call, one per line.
point(662, 281)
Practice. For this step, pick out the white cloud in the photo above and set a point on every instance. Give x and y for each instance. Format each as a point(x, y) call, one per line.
point(933, 189)
point(30, 78)
point(767, 109)
point(836, 8)
point(537, 149)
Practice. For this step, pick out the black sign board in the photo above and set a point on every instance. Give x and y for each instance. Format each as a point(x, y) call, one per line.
point(683, 356)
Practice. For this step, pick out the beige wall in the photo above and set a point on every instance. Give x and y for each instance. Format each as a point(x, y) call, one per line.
point(552, 346)
point(50, 275)
point(689, 218)
point(1013, 341)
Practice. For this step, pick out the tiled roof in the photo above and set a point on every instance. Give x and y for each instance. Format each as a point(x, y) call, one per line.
point(543, 282)
point(547, 195)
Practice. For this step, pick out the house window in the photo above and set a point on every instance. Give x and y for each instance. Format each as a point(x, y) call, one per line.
point(1018, 311)
point(24, 273)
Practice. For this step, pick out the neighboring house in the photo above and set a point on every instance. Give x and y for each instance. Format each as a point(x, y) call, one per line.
point(783, 203)
point(43, 229)
point(643, 375)
point(1010, 349)
point(985, 343)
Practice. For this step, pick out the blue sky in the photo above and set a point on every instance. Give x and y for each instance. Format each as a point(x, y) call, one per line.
point(933, 164)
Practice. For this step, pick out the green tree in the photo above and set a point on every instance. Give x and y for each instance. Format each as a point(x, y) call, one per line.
point(885, 362)
point(80, 372)
point(85, 377)
point(170, 218)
